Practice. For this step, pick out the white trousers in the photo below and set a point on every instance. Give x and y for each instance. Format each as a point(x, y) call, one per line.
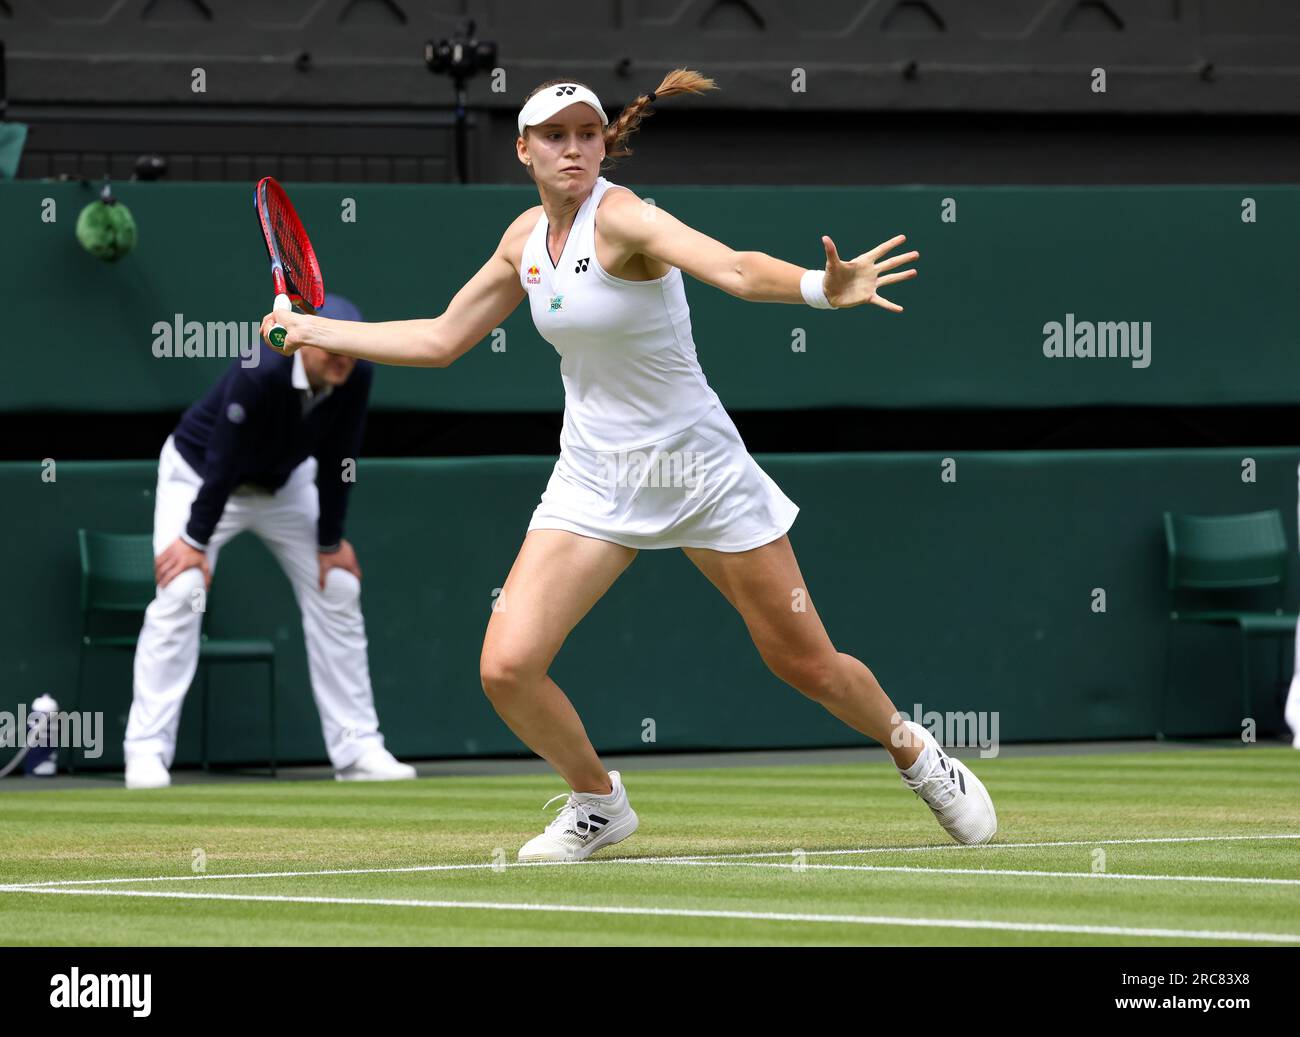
point(1292, 711)
point(167, 653)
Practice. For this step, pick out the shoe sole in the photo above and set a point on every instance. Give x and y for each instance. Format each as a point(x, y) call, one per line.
point(148, 785)
point(614, 833)
point(395, 777)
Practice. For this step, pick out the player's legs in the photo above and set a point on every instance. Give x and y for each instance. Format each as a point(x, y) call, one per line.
point(555, 580)
point(332, 624)
point(167, 652)
point(768, 590)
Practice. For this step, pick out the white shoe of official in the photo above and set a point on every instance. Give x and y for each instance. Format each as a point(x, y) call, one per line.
point(584, 824)
point(958, 799)
point(146, 771)
point(376, 764)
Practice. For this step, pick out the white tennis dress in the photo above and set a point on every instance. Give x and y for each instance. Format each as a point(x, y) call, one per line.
point(648, 456)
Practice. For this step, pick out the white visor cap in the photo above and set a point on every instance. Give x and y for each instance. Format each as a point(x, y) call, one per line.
point(545, 103)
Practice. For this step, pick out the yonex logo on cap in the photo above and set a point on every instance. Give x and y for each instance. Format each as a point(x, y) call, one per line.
point(565, 90)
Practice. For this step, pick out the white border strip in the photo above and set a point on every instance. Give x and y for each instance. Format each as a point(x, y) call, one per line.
point(666, 912)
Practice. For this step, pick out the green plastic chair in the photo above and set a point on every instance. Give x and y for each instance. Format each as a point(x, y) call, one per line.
point(1221, 553)
point(117, 576)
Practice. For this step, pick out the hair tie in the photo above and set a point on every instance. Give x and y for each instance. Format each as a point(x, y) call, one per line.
point(650, 96)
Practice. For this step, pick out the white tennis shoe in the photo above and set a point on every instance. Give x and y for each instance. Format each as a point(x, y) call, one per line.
point(958, 799)
point(146, 771)
point(376, 764)
point(584, 824)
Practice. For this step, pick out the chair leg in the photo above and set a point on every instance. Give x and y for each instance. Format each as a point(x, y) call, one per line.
point(1245, 675)
point(1164, 684)
point(203, 742)
point(76, 698)
point(270, 663)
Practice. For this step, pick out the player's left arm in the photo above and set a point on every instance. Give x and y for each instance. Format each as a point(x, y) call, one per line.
point(635, 227)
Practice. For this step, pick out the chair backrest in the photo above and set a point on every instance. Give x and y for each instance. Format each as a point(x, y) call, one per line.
point(1225, 551)
point(116, 571)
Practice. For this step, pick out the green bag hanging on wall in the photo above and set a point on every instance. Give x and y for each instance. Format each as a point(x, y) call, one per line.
point(106, 228)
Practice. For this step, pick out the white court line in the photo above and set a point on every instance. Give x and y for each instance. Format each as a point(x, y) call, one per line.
point(708, 857)
point(669, 912)
point(916, 869)
point(991, 846)
point(789, 865)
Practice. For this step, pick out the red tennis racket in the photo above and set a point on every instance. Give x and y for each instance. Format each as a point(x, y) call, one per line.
point(293, 261)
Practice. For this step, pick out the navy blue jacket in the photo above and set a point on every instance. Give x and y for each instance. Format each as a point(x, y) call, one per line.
point(250, 428)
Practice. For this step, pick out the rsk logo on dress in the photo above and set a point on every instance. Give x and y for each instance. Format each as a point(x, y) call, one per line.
point(556, 300)
point(534, 275)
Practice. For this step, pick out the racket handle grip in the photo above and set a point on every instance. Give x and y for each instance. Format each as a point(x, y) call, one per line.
point(278, 332)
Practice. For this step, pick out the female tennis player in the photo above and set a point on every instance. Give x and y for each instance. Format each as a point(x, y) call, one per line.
point(602, 271)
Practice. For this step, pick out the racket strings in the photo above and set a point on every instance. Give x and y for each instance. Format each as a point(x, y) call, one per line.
point(291, 241)
point(294, 247)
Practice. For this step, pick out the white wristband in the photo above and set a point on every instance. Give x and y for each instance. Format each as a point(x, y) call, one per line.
point(812, 286)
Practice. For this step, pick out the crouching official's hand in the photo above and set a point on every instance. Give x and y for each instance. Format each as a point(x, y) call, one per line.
point(175, 559)
point(343, 558)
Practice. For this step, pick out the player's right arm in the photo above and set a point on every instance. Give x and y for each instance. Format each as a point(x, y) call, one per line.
point(485, 301)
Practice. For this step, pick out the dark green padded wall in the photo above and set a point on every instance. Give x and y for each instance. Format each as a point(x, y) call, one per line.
point(967, 595)
point(972, 334)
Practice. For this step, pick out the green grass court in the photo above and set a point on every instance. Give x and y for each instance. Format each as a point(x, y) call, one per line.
point(1201, 847)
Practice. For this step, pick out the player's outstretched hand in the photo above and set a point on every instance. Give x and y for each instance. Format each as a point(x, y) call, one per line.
point(175, 559)
point(290, 320)
point(859, 280)
point(343, 558)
